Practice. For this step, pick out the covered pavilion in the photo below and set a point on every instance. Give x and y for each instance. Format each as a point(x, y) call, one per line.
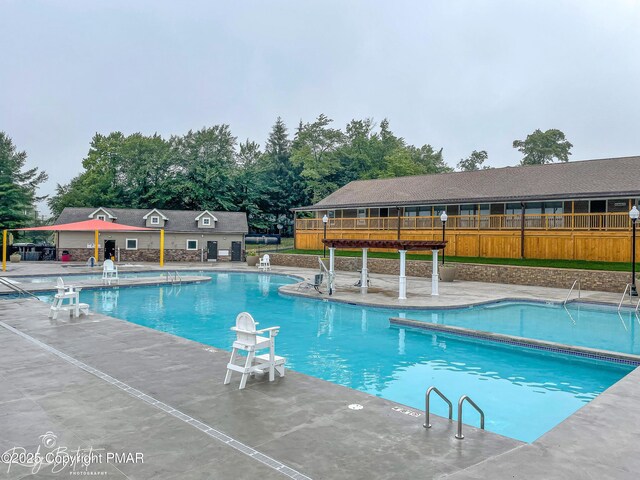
point(93, 225)
point(401, 245)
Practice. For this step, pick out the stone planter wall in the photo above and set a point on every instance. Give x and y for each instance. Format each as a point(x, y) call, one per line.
point(536, 276)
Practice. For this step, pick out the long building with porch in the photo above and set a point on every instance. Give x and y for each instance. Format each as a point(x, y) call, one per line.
point(575, 210)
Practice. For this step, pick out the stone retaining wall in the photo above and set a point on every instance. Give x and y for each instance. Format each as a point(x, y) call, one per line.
point(538, 276)
point(141, 255)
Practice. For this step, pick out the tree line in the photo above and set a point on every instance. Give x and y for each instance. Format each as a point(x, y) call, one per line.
point(210, 169)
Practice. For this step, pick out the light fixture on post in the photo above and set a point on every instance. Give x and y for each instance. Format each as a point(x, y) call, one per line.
point(443, 219)
point(633, 215)
point(325, 220)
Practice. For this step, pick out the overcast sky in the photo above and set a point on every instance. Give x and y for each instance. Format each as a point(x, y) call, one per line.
point(462, 75)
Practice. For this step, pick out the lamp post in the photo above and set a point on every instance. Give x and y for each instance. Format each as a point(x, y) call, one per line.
point(443, 219)
point(633, 215)
point(325, 220)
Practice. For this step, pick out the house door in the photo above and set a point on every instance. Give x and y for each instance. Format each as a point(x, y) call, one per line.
point(212, 250)
point(236, 251)
point(109, 249)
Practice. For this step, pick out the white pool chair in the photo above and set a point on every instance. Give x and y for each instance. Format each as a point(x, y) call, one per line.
point(264, 264)
point(250, 340)
point(109, 272)
point(70, 293)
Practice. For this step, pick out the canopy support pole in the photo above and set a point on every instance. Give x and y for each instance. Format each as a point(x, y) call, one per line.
point(434, 275)
point(96, 241)
point(402, 281)
point(4, 250)
point(364, 273)
point(162, 247)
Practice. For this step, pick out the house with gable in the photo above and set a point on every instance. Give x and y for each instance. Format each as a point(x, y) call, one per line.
point(190, 236)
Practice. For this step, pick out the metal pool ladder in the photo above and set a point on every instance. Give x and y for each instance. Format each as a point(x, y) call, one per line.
point(463, 398)
point(576, 282)
point(426, 405)
point(459, 435)
point(174, 277)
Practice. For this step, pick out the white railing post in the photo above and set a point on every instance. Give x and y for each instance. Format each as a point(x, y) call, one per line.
point(434, 275)
point(364, 273)
point(332, 254)
point(402, 281)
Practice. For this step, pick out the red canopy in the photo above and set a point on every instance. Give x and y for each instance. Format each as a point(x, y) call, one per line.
point(89, 226)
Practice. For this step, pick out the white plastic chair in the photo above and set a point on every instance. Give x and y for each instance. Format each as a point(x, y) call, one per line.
point(250, 340)
point(264, 264)
point(109, 272)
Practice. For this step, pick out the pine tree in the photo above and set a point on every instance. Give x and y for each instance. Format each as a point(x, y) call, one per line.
point(17, 186)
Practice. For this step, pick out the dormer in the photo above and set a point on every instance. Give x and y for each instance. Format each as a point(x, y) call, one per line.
point(103, 214)
point(155, 219)
point(206, 220)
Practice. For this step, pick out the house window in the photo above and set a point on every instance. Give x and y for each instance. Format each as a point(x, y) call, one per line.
point(192, 244)
point(206, 221)
point(513, 209)
point(469, 209)
point(101, 217)
point(155, 220)
point(131, 244)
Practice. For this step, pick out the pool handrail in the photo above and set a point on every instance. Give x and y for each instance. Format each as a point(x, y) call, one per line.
point(16, 288)
point(426, 405)
point(459, 435)
point(627, 287)
point(576, 281)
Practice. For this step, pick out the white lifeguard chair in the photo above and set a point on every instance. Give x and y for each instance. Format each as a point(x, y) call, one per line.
point(70, 293)
point(250, 340)
point(265, 263)
point(109, 272)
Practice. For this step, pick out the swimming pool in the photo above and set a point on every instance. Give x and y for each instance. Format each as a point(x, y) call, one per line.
point(523, 392)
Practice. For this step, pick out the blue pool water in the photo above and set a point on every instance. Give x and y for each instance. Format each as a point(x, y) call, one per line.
point(582, 325)
point(523, 392)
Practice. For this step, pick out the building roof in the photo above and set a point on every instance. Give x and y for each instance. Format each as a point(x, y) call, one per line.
point(88, 226)
point(178, 220)
point(611, 177)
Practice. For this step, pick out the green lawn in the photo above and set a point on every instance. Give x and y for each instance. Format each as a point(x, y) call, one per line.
point(581, 264)
point(286, 244)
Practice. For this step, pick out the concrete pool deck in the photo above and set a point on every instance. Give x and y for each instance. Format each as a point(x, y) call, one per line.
point(295, 427)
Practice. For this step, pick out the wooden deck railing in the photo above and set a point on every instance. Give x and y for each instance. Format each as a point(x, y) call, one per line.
point(532, 221)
